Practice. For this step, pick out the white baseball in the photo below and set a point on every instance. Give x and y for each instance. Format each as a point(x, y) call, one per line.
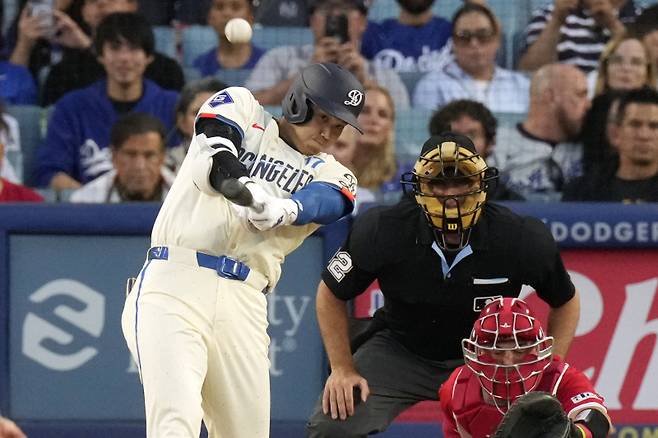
point(238, 30)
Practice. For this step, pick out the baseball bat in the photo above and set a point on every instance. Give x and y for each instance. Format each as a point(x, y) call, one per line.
point(239, 194)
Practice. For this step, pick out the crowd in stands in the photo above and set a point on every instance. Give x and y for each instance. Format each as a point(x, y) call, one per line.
point(560, 97)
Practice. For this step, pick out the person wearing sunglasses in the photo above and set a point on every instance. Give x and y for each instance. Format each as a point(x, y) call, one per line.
point(473, 74)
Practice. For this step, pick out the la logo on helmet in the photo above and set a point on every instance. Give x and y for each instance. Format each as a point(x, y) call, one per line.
point(355, 97)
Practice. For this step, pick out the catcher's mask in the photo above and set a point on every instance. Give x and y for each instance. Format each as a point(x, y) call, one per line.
point(449, 162)
point(507, 351)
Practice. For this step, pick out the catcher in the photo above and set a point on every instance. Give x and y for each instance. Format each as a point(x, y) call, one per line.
point(512, 386)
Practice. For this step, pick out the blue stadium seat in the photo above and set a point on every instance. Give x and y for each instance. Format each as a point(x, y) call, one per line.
point(411, 131)
point(236, 77)
point(165, 40)
point(32, 127)
point(196, 40)
point(509, 119)
point(269, 37)
point(191, 74)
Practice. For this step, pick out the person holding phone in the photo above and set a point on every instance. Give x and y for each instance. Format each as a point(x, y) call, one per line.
point(337, 27)
point(574, 32)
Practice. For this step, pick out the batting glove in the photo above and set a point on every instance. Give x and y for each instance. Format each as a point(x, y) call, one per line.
point(277, 212)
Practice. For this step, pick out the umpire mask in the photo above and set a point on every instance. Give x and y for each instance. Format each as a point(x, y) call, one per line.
point(450, 181)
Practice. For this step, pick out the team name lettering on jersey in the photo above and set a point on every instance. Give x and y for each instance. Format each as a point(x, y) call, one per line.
point(286, 177)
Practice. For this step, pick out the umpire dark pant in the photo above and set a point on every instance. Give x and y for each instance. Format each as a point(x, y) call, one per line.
point(397, 380)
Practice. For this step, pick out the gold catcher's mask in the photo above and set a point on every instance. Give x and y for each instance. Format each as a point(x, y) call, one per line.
point(450, 182)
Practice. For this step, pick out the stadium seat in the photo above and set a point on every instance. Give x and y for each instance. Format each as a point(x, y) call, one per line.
point(509, 119)
point(165, 40)
point(196, 40)
point(32, 123)
point(269, 37)
point(411, 131)
point(191, 74)
point(236, 77)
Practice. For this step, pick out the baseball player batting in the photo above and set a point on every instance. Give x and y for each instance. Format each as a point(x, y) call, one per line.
point(250, 190)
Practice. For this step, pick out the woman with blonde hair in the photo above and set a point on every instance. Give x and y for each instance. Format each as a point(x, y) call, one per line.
point(625, 64)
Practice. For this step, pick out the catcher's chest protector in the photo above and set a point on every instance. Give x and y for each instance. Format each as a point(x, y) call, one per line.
point(480, 418)
point(472, 413)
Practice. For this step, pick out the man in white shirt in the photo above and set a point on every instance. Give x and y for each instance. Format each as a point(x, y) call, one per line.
point(137, 141)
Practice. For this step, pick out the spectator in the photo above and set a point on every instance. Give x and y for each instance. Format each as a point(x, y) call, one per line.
point(283, 13)
point(574, 32)
point(137, 141)
point(475, 121)
point(11, 192)
point(635, 178)
point(80, 67)
point(507, 356)
point(36, 43)
point(191, 98)
point(371, 156)
point(646, 29)
point(228, 55)
point(75, 150)
point(473, 74)
point(625, 64)
point(412, 42)
point(276, 70)
point(538, 156)
point(8, 429)
point(17, 85)
point(10, 138)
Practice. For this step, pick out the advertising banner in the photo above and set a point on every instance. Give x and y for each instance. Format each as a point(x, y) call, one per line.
point(67, 356)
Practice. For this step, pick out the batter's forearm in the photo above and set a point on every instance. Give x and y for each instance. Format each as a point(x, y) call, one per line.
point(562, 323)
point(332, 319)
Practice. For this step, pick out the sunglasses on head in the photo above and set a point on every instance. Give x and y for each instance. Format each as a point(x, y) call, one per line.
point(481, 35)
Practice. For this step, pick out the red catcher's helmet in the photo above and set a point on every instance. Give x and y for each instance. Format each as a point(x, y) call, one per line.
point(507, 324)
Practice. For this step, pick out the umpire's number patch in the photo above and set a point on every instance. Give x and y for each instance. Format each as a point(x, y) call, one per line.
point(339, 265)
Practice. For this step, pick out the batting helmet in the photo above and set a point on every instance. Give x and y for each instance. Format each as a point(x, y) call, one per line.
point(329, 86)
point(449, 159)
point(507, 324)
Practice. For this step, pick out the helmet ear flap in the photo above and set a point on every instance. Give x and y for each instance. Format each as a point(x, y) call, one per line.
point(295, 105)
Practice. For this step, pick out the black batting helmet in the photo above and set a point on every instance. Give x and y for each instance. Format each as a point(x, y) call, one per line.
point(329, 86)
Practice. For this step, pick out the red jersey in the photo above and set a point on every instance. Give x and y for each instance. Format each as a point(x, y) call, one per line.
point(16, 193)
point(467, 415)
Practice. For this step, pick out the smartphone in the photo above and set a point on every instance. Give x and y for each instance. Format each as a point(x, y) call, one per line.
point(44, 10)
point(336, 26)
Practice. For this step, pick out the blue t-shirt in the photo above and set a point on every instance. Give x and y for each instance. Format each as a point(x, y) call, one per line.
point(208, 65)
point(406, 48)
point(79, 130)
point(17, 85)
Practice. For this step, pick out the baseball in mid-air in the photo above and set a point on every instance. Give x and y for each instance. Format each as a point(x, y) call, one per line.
point(238, 30)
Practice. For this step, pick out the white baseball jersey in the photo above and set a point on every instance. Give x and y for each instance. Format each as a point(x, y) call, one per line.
point(195, 216)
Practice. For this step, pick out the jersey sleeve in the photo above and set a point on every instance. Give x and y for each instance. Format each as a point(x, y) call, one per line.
point(355, 265)
point(542, 264)
point(331, 172)
point(448, 422)
point(576, 393)
point(235, 106)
